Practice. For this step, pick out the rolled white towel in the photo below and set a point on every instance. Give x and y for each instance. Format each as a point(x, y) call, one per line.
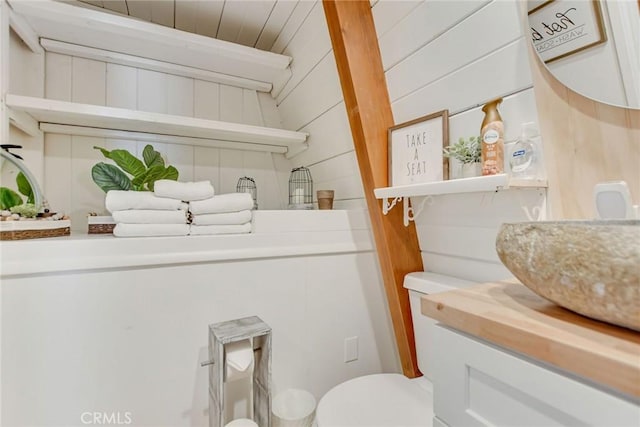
point(227, 218)
point(232, 202)
point(220, 229)
point(185, 191)
point(147, 230)
point(119, 200)
point(148, 216)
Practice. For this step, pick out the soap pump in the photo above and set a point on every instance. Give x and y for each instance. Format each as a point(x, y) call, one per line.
point(523, 158)
point(492, 132)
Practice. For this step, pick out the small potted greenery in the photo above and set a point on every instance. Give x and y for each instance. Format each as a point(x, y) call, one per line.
point(467, 152)
point(129, 174)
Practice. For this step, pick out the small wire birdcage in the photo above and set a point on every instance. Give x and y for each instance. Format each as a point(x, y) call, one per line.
point(248, 185)
point(300, 189)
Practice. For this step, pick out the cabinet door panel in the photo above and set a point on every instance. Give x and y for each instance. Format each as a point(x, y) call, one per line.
point(478, 384)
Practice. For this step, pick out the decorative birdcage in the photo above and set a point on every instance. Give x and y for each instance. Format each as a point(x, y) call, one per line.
point(300, 189)
point(248, 185)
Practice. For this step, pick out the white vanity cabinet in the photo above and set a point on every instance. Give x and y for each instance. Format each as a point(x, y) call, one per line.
point(507, 357)
point(479, 384)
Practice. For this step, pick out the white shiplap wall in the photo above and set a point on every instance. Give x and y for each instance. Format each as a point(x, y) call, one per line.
point(457, 56)
point(437, 55)
point(68, 159)
point(311, 101)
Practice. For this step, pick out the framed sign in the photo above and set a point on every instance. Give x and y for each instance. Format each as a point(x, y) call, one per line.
point(560, 28)
point(415, 150)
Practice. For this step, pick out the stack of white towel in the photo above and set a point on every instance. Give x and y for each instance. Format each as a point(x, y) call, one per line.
point(179, 209)
point(142, 213)
point(223, 214)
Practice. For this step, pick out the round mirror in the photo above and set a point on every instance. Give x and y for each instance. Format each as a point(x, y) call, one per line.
point(592, 47)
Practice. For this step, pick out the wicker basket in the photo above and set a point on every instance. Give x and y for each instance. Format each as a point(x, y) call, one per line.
point(101, 228)
point(38, 232)
point(100, 225)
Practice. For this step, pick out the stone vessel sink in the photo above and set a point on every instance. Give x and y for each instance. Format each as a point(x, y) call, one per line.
point(590, 267)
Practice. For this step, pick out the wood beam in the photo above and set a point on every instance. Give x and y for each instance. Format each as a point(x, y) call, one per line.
point(355, 46)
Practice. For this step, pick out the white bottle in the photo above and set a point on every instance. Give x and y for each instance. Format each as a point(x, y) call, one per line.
point(523, 158)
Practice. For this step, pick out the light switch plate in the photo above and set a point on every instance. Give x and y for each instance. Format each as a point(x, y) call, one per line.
point(350, 349)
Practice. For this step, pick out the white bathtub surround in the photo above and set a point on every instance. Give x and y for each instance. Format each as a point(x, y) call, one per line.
point(220, 229)
point(88, 290)
point(225, 218)
point(232, 202)
point(185, 191)
point(119, 200)
point(148, 230)
point(150, 216)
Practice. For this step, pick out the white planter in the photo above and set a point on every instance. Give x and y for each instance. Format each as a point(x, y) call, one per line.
point(469, 170)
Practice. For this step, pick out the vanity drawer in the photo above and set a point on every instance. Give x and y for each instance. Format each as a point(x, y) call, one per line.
point(478, 384)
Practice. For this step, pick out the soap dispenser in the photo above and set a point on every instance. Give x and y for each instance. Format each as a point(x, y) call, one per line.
point(492, 132)
point(523, 158)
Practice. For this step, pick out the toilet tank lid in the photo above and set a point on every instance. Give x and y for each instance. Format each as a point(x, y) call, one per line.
point(431, 283)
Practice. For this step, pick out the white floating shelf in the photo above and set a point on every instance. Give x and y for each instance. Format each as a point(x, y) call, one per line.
point(463, 185)
point(71, 24)
point(392, 195)
point(82, 116)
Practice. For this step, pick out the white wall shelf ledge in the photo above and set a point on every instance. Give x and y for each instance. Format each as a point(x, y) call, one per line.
point(94, 29)
point(392, 195)
point(77, 118)
point(276, 234)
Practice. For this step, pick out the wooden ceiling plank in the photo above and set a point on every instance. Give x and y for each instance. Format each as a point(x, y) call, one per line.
point(119, 6)
point(162, 12)
point(97, 3)
point(208, 17)
point(289, 30)
point(255, 21)
point(140, 9)
point(242, 21)
point(186, 15)
point(278, 18)
point(355, 46)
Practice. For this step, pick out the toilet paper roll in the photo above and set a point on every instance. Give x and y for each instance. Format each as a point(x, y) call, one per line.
point(238, 360)
point(242, 422)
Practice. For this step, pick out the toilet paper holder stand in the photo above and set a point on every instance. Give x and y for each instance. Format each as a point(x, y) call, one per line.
point(223, 333)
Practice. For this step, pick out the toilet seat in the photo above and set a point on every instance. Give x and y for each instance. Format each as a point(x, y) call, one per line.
point(376, 400)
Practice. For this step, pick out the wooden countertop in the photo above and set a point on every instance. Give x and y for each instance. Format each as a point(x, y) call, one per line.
point(510, 315)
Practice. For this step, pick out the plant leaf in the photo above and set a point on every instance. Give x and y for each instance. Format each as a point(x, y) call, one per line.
point(154, 174)
point(24, 187)
point(104, 151)
point(170, 173)
point(9, 198)
point(152, 157)
point(128, 162)
point(139, 181)
point(109, 177)
point(160, 172)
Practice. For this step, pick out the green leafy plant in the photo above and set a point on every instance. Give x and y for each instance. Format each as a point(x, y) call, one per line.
point(27, 210)
point(9, 198)
point(129, 172)
point(466, 150)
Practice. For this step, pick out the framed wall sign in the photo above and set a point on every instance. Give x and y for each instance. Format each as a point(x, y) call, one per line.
point(560, 28)
point(415, 150)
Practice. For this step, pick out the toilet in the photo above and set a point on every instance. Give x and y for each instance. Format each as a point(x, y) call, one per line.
point(392, 399)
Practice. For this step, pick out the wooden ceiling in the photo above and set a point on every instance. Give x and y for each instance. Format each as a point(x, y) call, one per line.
point(255, 23)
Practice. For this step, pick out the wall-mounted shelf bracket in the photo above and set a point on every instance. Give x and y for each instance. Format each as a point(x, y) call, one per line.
point(409, 212)
point(388, 205)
